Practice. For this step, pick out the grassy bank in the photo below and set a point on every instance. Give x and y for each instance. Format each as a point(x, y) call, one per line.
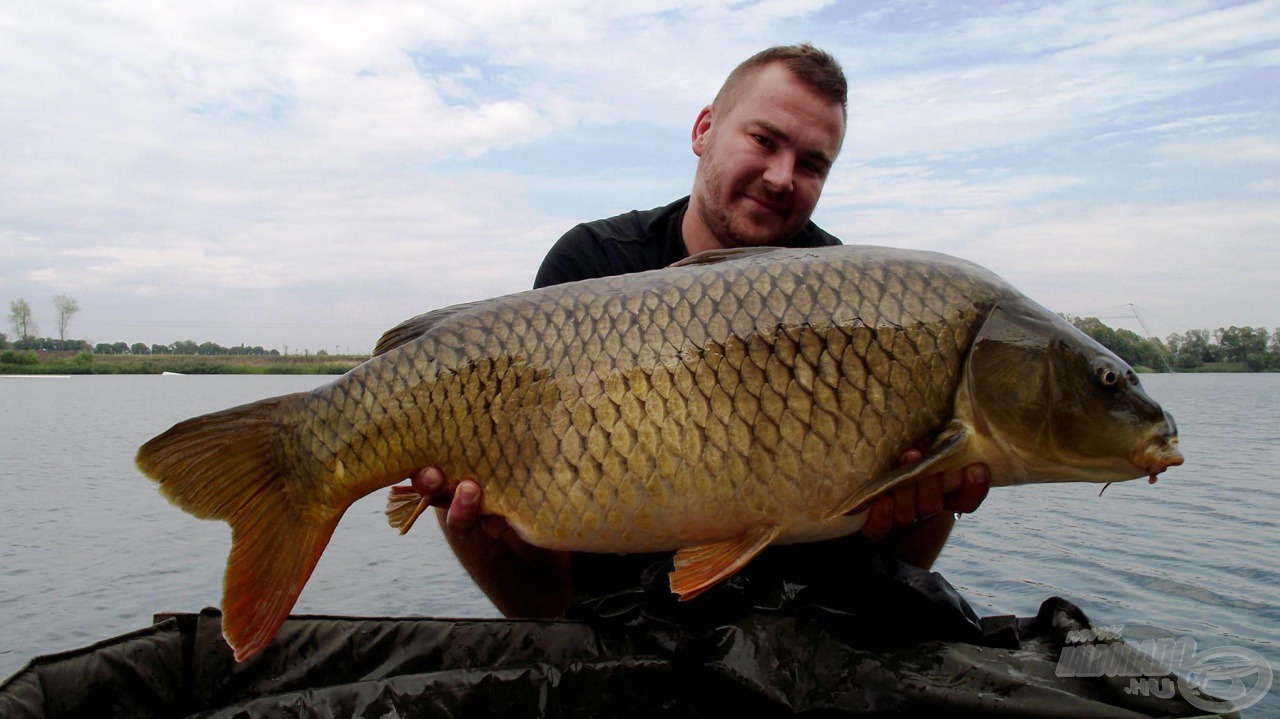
point(1207, 367)
point(1221, 367)
point(83, 363)
point(29, 362)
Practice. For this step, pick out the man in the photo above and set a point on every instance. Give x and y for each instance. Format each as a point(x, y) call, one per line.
point(765, 146)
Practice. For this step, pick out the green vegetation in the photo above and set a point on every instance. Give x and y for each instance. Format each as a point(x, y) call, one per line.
point(15, 357)
point(87, 361)
point(1252, 347)
point(28, 354)
point(1231, 349)
point(65, 307)
point(20, 319)
point(1146, 353)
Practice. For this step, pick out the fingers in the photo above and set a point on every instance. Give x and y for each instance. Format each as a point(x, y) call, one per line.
point(494, 526)
point(904, 505)
point(974, 485)
point(429, 482)
point(918, 501)
point(462, 503)
point(464, 510)
point(929, 496)
point(879, 518)
point(926, 498)
point(911, 456)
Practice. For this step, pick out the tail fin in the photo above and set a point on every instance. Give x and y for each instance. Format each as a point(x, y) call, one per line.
point(228, 465)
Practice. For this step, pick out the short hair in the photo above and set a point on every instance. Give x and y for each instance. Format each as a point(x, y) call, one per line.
point(815, 68)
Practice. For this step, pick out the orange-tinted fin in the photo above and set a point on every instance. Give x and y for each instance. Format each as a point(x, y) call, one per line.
point(701, 567)
point(404, 506)
point(228, 465)
point(273, 552)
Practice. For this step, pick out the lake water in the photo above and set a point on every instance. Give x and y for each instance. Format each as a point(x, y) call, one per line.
point(89, 548)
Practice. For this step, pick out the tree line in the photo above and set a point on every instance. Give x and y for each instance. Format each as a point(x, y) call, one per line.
point(1250, 345)
point(23, 325)
point(1253, 347)
point(181, 347)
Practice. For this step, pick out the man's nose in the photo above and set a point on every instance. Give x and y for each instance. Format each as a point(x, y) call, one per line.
point(779, 172)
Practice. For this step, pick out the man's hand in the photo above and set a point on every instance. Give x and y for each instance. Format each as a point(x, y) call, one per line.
point(463, 503)
point(926, 498)
point(520, 579)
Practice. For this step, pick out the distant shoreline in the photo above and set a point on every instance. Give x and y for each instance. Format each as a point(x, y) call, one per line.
point(71, 363)
point(1209, 368)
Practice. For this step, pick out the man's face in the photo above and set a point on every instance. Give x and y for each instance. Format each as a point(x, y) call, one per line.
point(763, 161)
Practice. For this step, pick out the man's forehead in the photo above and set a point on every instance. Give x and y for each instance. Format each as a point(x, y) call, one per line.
point(775, 88)
point(795, 111)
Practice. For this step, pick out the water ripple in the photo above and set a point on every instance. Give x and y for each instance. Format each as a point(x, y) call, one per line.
point(1189, 556)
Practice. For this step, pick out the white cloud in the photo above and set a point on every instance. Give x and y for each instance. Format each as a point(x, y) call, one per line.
point(1201, 151)
point(1015, 76)
point(1196, 29)
point(361, 162)
point(919, 186)
point(1198, 264)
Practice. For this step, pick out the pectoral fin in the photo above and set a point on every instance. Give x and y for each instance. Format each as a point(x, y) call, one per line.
point(700, 567)
point(953, 449)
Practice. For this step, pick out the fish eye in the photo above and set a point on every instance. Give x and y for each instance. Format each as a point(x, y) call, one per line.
point(1106, 373)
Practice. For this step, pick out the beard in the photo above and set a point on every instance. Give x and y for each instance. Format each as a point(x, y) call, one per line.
point(721, 211)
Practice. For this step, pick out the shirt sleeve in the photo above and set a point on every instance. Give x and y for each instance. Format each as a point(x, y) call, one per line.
point(568, 260)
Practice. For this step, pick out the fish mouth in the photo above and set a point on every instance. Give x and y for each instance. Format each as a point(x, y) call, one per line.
point(1158, 455)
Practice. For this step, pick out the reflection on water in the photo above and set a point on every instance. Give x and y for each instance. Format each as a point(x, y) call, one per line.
point(89, 549)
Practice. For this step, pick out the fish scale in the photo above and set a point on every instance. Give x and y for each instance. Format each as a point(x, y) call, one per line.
point(802, 434)
point(737, 399)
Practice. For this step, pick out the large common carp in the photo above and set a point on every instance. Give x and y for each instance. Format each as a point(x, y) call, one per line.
point(737, 399)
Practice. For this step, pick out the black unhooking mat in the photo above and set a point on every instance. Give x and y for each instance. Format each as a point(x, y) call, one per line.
point(900, 642)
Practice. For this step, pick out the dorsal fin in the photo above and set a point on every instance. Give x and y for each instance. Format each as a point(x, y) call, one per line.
point(711, 257)
point(412, 329)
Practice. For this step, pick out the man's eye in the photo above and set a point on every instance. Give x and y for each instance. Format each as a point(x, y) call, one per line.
point(762, 140)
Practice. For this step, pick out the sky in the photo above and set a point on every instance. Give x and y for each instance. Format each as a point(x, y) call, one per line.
point(305, 175)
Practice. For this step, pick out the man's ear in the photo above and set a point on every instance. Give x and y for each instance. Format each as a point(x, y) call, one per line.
point(701, 127)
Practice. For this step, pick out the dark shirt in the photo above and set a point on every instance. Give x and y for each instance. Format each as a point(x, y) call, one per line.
point(649, 240)
point(634, 242)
